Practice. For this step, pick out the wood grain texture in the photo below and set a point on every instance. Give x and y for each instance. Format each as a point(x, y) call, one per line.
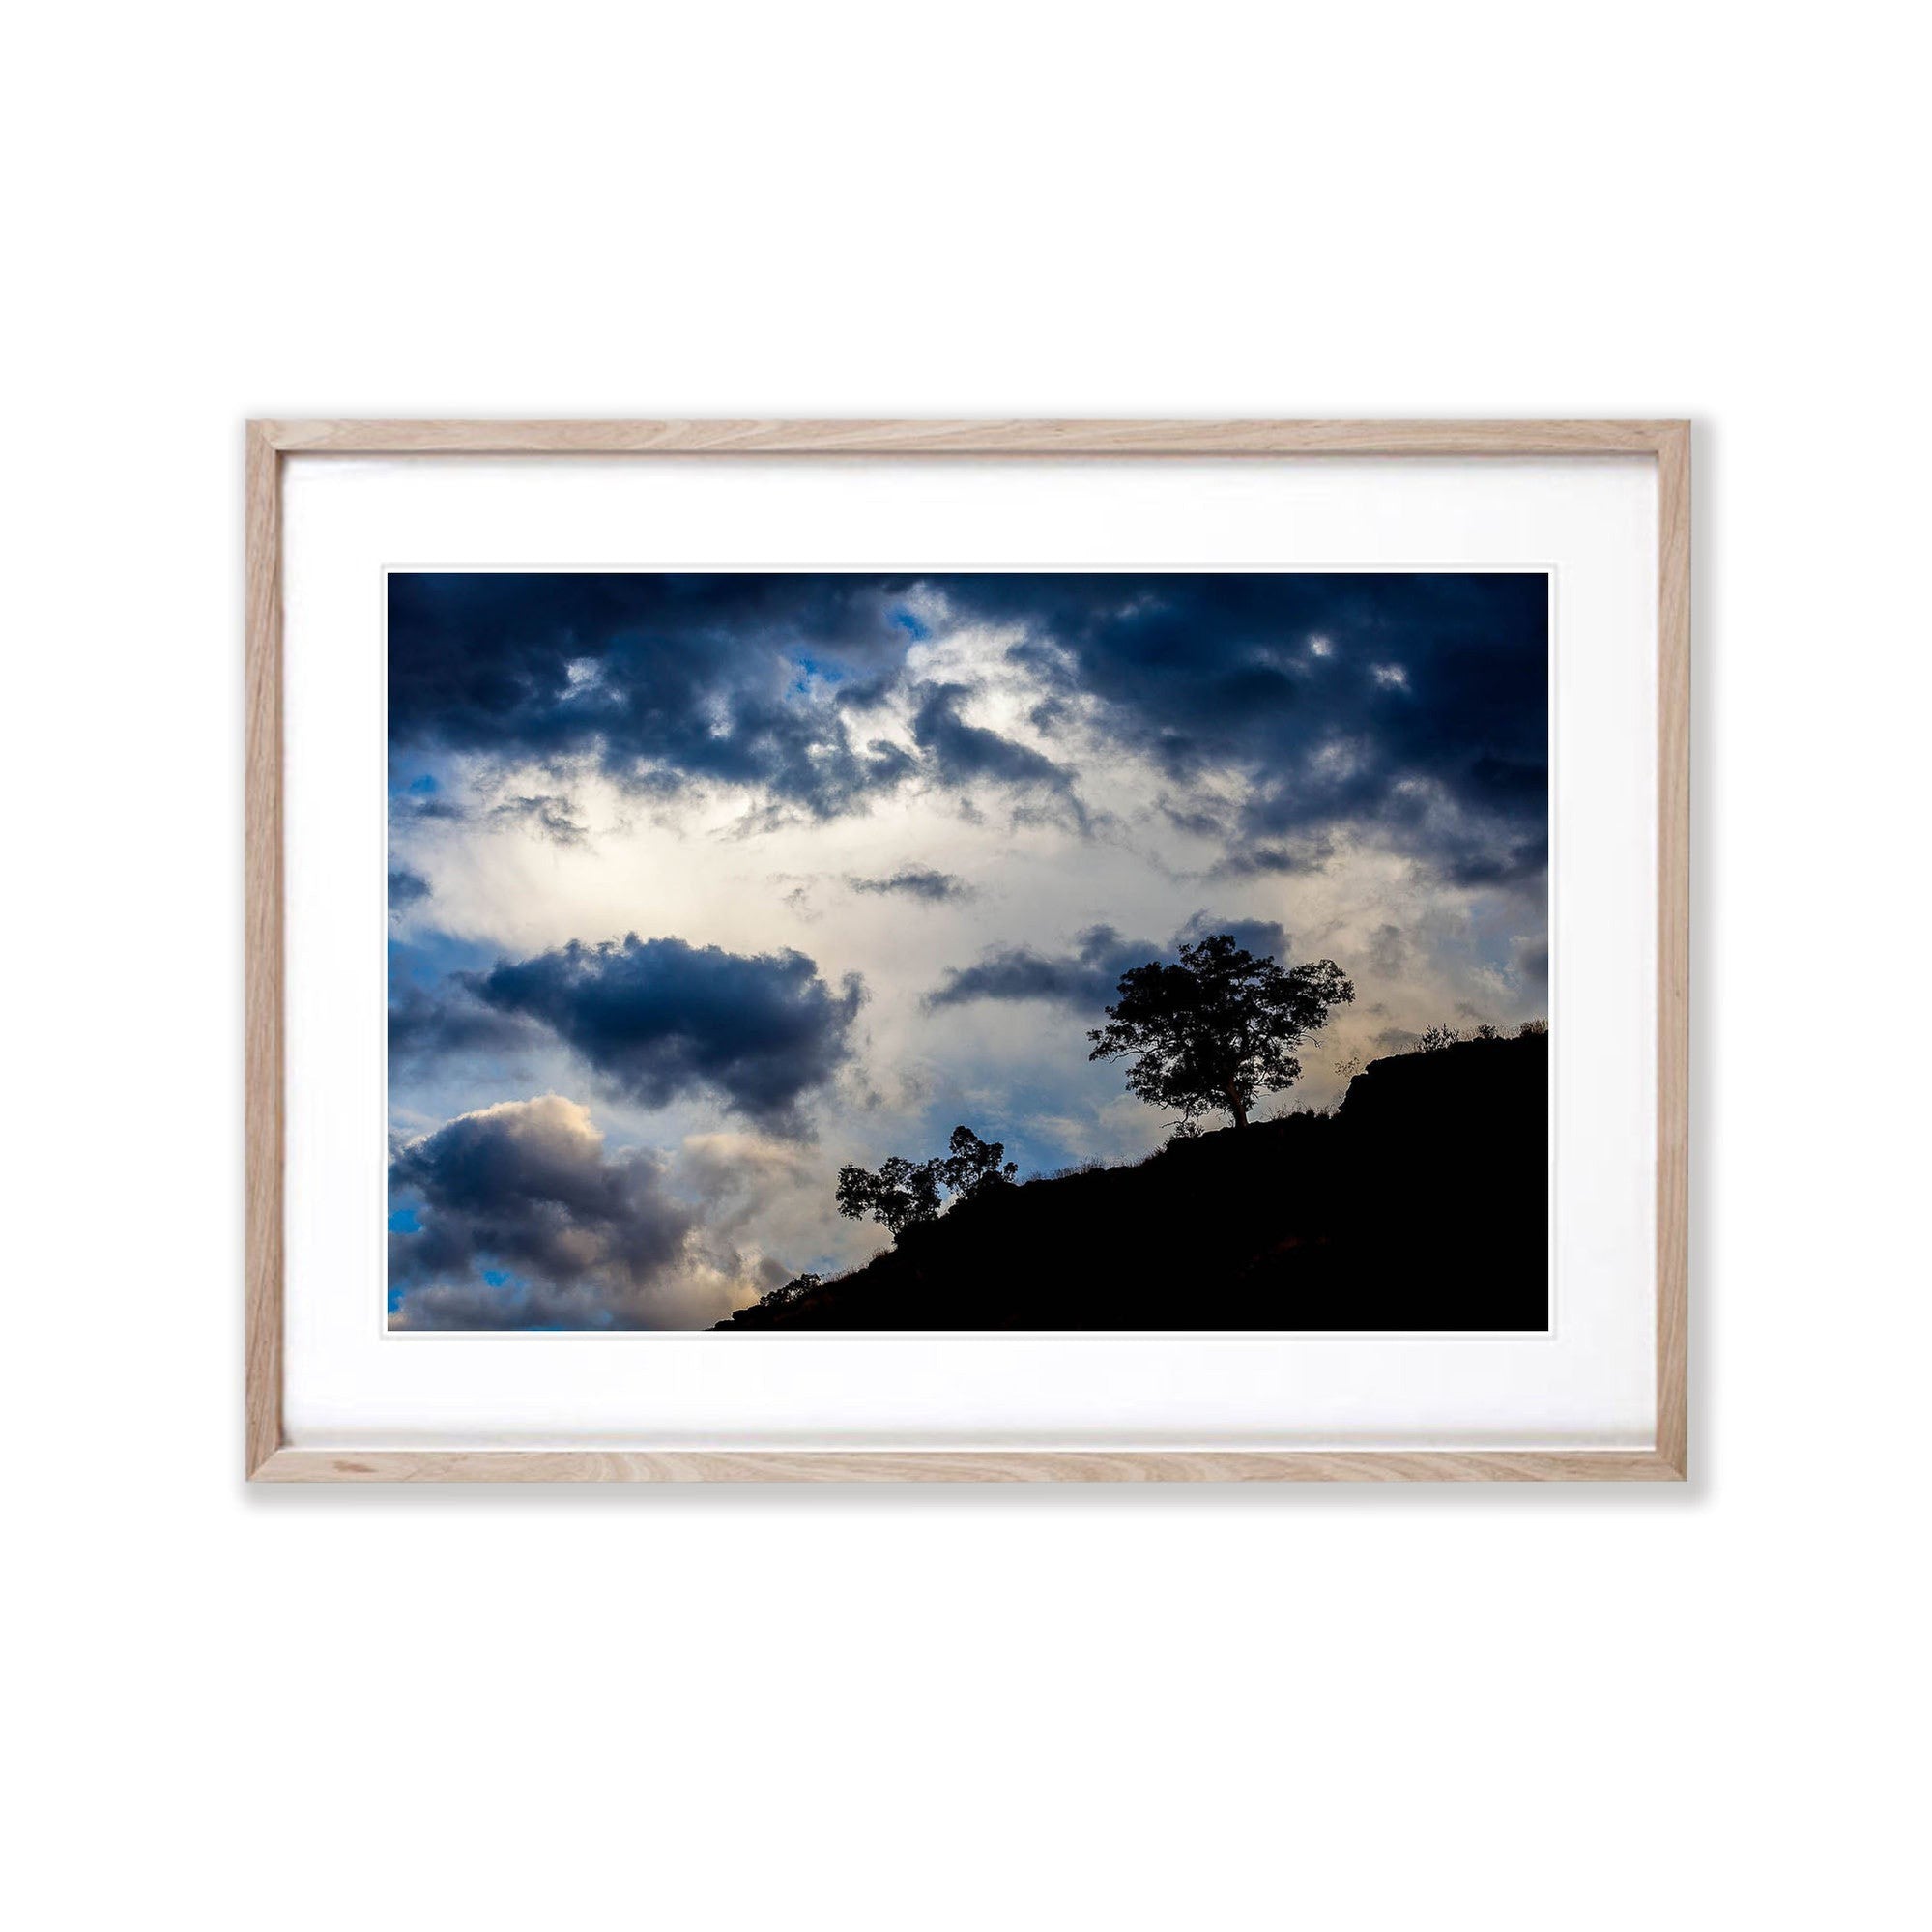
point(1072, 438)
point(262, 995)
point(1673, 948)
point(270, 1460)
point(973, 1465)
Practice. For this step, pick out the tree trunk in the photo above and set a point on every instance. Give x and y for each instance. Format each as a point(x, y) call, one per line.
point(1235, 1107)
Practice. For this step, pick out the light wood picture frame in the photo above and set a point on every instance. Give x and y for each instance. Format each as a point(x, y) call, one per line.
point(271, 1458)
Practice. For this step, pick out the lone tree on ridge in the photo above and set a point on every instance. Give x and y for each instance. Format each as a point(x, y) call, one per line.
point(1216, 1030)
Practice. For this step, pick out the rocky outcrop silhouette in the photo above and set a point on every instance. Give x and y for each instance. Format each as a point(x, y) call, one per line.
point(1421, 1203)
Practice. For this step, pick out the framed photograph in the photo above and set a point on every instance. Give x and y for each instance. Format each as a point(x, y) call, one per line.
point(1020, 951)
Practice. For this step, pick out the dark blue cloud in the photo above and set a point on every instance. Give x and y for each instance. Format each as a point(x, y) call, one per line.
point(962, 753)
point(1414, 703)
point(1084, 976)
point(661, 1019)
point(1087, 975)
point(1412, 706)
point(434, 1014)
point(440, 1021)
point(516, 1216)
point(657, 677)
point(1265, 938)
point(1510, 862)
point(1277, 861)
point(917, 883)
point(1530, 962)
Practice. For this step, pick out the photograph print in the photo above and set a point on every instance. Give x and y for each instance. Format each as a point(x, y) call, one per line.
point(963, 951)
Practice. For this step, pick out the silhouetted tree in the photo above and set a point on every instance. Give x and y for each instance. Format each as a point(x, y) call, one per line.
point(974, 1164)
point(904, 1193)
point(900, 1194)
point(1216, 1030)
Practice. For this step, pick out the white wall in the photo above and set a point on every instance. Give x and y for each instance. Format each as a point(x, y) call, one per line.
point(1386, 1709)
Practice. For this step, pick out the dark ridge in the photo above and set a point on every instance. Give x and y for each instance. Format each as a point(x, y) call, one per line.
point(1421, 1203)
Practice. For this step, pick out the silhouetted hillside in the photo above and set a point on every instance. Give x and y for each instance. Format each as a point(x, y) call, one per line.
point(1421, 1202)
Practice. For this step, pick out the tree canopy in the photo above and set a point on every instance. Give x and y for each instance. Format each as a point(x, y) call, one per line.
point(1218, 1028)
point(903, 1192)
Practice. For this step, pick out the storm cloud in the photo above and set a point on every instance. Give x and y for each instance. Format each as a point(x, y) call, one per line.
point(1083, 976)
point(962, 753)
point(652, 677)
point(449, 1020)
point(1410, 707)
point(660, 1019)
point(517, 1216)
point(1087, 974)
point(1330, 690)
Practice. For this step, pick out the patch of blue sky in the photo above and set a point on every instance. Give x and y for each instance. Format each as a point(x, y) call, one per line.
point(1490, 945)
point(423, 959)
point(815, 674)
point(1020, 1121)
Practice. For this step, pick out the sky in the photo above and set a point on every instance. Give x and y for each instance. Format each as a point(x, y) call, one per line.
point(703, 886)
